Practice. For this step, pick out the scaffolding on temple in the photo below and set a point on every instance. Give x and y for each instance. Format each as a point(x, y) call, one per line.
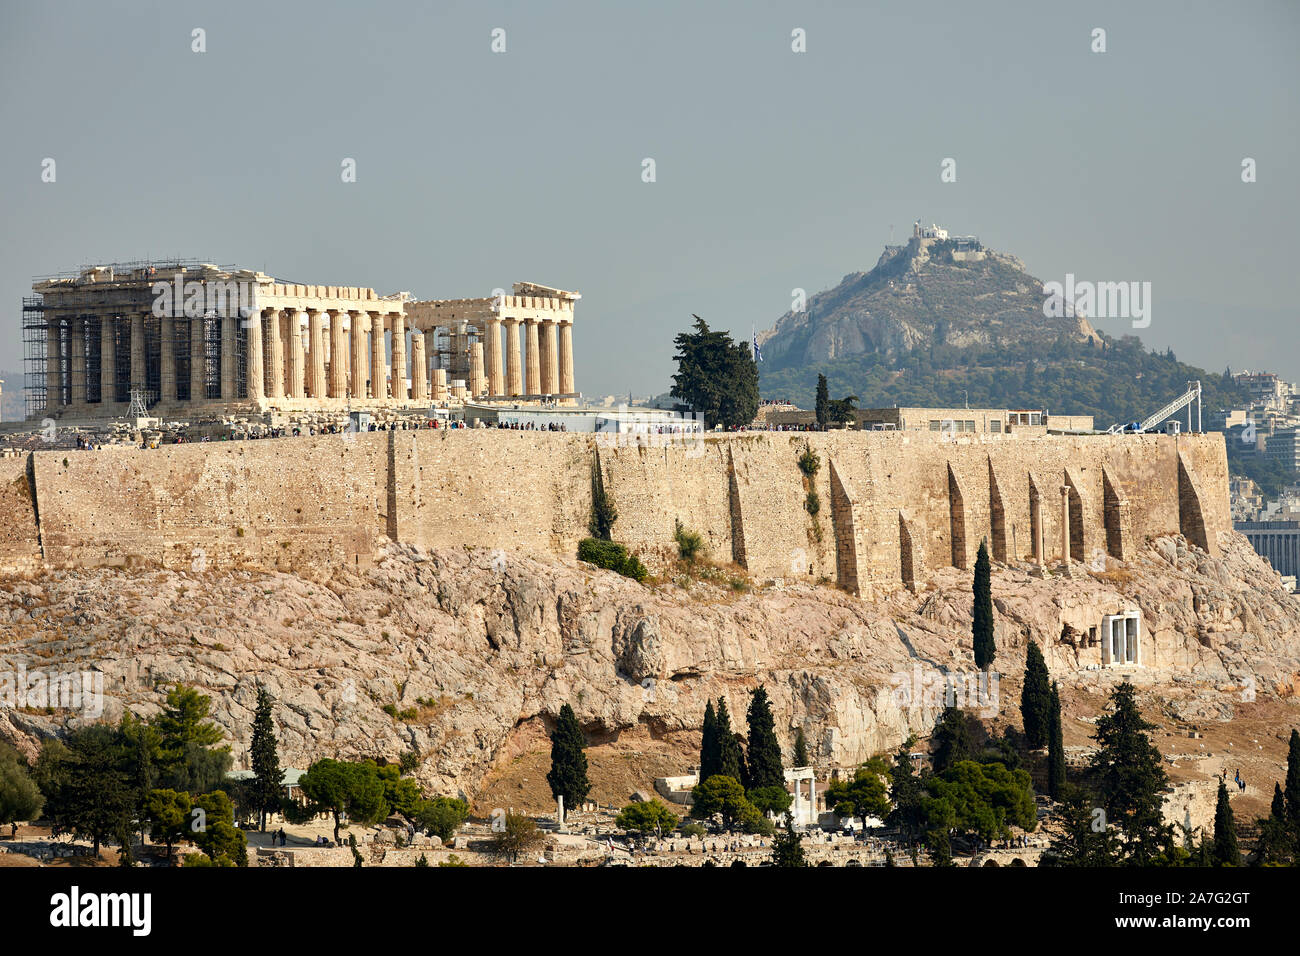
point(35, 370)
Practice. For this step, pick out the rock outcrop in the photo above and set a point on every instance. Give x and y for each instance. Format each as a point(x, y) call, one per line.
point(467, 650)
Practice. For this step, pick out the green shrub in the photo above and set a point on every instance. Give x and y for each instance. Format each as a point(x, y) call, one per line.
point(611, 557)
point(689, 543)
point(812, 504)
point(809, 462)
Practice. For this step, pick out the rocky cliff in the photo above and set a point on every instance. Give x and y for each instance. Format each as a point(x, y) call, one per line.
point(476, 650)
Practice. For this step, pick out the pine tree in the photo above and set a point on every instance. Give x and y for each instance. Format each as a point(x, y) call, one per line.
point(905, 794)
point(801, 750)
point(1131, 779)
point(568, 774)
point(1035, 698)
point(267, 782)
point(823, 401)
point(982, 623)
point(730, 757)
point(1055, 746)
point(787, 848)
point(710, 752)
point(764, 760)
point(1225, 832)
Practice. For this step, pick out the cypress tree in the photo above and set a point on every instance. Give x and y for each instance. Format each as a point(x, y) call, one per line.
point(1035, 698)
point(1225, 832)
point(982, 623)
point(267, 776)
point(1292, 789)
point(568, 774)
point(710, 753)
point(800, 750)
point(905, 795)
point(823, 401)
point(730, 756)
point(764, 763)
point(1055, 746)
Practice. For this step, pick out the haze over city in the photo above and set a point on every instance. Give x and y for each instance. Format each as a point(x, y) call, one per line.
point(775, 170)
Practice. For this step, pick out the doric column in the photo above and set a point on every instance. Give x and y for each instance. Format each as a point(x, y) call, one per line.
point(550, 358)
point(53, 365)
point(378, 357)
point(198, 359)
point(295, 387)
point(255, 375)
point(275, 360)
point(77, 360)
point(398, 385)
point(1065, 524)
point(316, 343)
point(477, 378)
point(514, 383)
point(439, 385)
point(338, 356)
point(360, 355)
point(229, 358)
point(166, 359)
point(492, 356)
point(137, 350)
point(419, 367)
point(566, 358)
point(107, 360)
point(533, 384)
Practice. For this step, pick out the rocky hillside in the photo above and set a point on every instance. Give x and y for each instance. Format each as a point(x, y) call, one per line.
point(919, 296)
point(473, 655)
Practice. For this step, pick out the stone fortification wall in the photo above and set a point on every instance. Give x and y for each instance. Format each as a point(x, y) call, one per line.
point(877, 511)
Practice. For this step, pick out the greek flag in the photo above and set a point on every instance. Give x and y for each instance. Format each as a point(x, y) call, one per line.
point(758, 353)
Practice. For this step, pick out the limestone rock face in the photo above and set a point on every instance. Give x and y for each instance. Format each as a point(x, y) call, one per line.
point(472, 652)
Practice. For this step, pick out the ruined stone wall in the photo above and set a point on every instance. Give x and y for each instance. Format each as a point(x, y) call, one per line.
point(19, 547)
point(885, 501)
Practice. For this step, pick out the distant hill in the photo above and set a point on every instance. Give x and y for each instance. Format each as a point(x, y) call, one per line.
point(924, 328)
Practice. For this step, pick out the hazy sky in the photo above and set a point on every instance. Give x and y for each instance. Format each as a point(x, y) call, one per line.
point(775, 170)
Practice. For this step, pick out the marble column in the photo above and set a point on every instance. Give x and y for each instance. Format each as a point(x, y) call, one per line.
point(316, 344)
point(477, 378)
point(566, 358)
point(378, 357)
point(76, 361)
point(338, 356)
point(107, 360)
point(439, 385)
point(229, 358)
point(419, 367)
point(533, 380)
point(549, 358)
point(53, 365)
point(1065, 524)
point(275, 360)
point(1036, 528)
point(137, 351)
point(166, 359)
point(255, 374)
point(198, 359)
point(398, 385)
point(297, 371)
point(360, 355)
point(514, 385)
point(492, 357)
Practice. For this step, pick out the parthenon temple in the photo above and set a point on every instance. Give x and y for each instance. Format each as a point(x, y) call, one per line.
point(187, 338)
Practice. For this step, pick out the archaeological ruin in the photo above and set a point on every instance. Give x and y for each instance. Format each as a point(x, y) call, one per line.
point(186, 339)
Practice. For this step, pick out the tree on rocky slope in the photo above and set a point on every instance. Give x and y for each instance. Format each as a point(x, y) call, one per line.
point(1035, 698)
point(982, 622)
point(568, 773)
point(1055, 745)
point(1130, 778)
point(267, 788)
point(1226, 852)
point(764, 762)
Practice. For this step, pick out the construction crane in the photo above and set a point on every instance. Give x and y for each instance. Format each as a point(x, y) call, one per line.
point(1193, 394)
